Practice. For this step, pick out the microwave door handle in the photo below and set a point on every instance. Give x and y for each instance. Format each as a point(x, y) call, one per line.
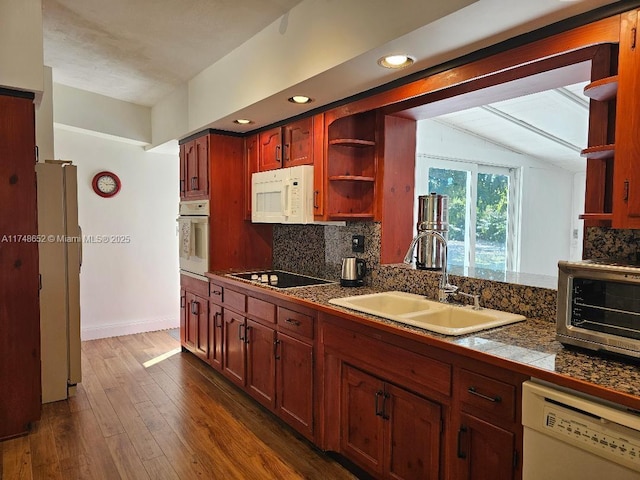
point(286, 192)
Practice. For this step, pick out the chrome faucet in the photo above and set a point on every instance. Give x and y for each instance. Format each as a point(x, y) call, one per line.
point(445, 289)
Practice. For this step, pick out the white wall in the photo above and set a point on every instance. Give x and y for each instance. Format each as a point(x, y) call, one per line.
point(126, 287)
point(107, 116)
point(548, 208)
point(21, 49)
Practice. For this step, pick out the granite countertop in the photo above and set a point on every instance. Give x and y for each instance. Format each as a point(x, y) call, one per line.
point(530, 344)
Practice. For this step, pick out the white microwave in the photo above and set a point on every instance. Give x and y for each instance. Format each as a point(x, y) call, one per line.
point(284, 195)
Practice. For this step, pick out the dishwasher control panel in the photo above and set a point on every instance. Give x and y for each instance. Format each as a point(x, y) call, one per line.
point(608, 439)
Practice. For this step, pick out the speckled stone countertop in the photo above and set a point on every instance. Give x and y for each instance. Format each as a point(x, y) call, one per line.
point(530, 344)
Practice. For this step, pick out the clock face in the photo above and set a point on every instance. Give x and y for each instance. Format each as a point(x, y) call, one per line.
point(106, 184)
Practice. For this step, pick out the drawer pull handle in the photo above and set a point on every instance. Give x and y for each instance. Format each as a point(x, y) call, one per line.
point(217, 316)
point(216, 292)
point(473, 391)
point(291, 321)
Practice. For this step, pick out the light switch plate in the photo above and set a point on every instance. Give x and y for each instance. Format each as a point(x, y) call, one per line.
point(357, 244)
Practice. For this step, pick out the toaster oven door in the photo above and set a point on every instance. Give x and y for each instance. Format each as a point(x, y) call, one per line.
point(599, 311)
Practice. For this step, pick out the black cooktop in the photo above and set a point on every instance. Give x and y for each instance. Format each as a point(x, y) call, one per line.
point(280, 279)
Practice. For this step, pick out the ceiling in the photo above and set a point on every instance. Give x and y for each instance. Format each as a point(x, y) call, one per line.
point(141, 51)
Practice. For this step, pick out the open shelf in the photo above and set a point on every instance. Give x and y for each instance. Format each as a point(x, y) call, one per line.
point(599, 152)
point(603, 89)
point(351, 178)
point(352, 142)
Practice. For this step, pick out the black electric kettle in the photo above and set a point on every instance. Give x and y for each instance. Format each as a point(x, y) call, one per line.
point(353, 270)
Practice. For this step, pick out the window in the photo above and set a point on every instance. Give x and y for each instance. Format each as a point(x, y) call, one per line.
point(483, 211)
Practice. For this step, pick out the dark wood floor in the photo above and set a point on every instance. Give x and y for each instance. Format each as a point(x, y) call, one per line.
point(173, 419)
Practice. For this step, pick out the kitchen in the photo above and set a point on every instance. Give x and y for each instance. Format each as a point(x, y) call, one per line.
point(314, 231)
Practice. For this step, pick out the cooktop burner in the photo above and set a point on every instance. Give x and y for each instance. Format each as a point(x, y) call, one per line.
point(280, 279)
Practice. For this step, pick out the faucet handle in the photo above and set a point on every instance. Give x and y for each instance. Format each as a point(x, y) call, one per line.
point(476, 299)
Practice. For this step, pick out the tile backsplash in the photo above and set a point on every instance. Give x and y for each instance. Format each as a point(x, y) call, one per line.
point(317, 250)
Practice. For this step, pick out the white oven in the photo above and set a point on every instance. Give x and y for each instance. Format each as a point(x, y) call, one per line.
point(193, 237)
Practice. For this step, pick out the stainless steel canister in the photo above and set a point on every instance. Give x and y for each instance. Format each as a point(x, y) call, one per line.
point(433, 214)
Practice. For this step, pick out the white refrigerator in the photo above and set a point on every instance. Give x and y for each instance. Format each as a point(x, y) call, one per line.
point(60, 253)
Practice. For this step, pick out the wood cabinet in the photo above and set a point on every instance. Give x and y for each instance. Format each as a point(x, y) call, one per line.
point(612, 195)
point(487, 419)
point(216, 325)
point(194, 169)
point(388, 430)
point(234, 346)
point(194, 316)
point(287, 146)
point(261, 343)
point(351, 166)
point(20, 400)
point(626, 174)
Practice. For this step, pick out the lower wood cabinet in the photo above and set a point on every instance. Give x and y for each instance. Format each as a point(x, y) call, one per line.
point(234, 346)
point(261, 343)
point(388, 430)
point(194, 316)
point(484, 451)
point(215, 336)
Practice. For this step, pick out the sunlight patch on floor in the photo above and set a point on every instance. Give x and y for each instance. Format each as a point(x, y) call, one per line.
point(160, 358)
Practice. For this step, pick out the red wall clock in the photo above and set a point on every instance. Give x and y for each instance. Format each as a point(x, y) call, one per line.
point(106, 184)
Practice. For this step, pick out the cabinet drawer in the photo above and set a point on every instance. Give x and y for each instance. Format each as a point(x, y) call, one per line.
point(215, 292)
point(234, 300)
point(480, 394)
point(295, 322)
point(261, 310)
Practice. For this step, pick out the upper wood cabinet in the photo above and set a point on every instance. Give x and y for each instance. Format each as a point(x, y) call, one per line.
point(286, 146)
point(613, 179)
point(626, 174)
point(194, 169)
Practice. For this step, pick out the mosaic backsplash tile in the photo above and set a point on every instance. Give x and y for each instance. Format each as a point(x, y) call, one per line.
point(318, 250)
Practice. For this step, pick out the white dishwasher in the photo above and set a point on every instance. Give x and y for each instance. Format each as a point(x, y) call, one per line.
point(571, 436)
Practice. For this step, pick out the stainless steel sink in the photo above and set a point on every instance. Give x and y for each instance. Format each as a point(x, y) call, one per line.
point(435, 316)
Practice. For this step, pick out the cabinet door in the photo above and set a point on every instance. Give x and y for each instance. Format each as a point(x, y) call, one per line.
point(270, 144)
point(294, 376)
point(413, 443)
point(361, 421)
point(183, 170)
point(215, 335)
point(261, 381)
point(199, 308)
point(626, 187)
point(191, 324)
point(298, 143)
point(485, 451)
point(234, 346)
point(183, 316)
point(196, 168)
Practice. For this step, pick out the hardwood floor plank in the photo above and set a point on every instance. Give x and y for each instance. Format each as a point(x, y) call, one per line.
point(44, 456)
point(134, 426)
point(159, 468)
point(175, 419)
point(16, 459)
point(127, 462)
point(108, 420)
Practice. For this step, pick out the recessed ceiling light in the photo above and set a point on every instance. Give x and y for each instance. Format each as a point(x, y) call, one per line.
point(242, 121)
point(395, 61)
point(301, 99)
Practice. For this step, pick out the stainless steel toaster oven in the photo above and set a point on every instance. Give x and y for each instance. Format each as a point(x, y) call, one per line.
point(599, 306)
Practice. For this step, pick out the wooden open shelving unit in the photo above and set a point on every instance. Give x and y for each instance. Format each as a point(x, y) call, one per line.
point(351, 167)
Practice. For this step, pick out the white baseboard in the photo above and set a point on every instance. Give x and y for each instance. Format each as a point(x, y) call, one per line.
point(118, 329)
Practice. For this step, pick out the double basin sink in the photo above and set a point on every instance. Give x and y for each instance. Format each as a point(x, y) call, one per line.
point(435, 316)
